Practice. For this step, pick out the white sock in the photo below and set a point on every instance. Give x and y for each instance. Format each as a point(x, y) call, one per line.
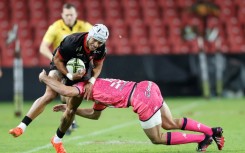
point(57, 139)
point(22, 126)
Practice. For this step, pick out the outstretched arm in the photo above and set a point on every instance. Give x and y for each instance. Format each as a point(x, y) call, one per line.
point(57, 86)
point(89, 113)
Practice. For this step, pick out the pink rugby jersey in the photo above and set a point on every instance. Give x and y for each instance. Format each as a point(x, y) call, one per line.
point(109, 92)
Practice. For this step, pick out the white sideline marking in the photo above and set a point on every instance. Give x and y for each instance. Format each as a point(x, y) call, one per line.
point(179, 110)
point(85, 136)
point(113, 142)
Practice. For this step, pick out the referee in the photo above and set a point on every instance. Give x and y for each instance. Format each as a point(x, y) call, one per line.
point(61, 28)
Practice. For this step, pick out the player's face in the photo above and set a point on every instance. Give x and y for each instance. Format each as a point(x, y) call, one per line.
point(93, 44)
point(69, 16)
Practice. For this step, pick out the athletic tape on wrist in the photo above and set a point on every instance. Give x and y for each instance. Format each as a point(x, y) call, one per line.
point(92, 80)
point(69, 76)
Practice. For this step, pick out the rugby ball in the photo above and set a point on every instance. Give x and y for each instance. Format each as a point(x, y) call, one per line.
point(75, 65)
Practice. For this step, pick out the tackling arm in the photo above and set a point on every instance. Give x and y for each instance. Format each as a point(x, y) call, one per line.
point(89, 113)
point(57, 86)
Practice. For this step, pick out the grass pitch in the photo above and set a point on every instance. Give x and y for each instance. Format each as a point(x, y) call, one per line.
point(118, 130)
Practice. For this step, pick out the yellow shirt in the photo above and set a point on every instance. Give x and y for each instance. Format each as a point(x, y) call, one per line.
point(59, 30)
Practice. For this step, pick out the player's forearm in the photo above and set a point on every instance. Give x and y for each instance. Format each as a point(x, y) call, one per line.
point(88, 113)
point(97, 69)
point(45, 51)
point(59, 87)
point(60, 65)
point(96, 72)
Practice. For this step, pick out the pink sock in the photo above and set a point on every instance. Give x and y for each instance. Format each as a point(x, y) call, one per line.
point(175, 138)
point(191, 125)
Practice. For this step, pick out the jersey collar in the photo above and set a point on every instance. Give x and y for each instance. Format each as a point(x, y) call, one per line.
point(85, 44)
point(71, 28)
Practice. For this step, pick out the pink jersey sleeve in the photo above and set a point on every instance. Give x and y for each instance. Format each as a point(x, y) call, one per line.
point(99, 107)
point(80, 87)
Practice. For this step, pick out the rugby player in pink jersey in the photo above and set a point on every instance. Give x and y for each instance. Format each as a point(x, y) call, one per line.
point(146, 99)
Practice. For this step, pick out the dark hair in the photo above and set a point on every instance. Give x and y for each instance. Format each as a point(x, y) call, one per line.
point(68, 6)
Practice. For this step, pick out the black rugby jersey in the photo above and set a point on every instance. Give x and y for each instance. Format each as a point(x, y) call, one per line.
point(73, 46)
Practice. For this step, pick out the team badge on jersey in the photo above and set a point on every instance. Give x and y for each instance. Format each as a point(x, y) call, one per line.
point(79, 49)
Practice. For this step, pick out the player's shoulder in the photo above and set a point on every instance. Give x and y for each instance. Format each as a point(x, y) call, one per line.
point(84, 24)
point(77, 35)
point(57, 23)
point(73, 39)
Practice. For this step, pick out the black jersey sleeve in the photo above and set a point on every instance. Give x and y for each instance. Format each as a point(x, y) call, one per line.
point(100, 53)
point(67, 48)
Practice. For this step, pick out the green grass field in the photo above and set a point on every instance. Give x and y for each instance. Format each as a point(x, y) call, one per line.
point(118, 130)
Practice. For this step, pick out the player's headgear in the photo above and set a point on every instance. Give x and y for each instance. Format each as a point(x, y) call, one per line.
point(99, 32)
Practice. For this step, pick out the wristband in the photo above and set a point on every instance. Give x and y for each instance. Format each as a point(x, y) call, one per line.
point(69, 76)
point(92, 80)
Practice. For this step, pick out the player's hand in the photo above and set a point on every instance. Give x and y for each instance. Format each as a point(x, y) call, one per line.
point(42, 75)
point(59, 108)
point(87, 90)
point(79, 75)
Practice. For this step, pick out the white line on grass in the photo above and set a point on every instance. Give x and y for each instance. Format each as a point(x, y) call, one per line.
point(113, 142)
point(178, 110)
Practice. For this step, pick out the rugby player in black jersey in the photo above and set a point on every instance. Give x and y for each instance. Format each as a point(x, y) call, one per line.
point(90, 47)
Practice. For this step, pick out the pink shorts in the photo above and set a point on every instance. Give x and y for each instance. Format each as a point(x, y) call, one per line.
point(147, 100)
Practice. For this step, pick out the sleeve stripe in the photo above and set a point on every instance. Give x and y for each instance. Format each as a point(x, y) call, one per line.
point(78, 90)
point(99, 109)
point(59, 54)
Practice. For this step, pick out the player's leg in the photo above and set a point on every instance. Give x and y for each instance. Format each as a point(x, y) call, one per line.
point(152, 129)
point(73, 125)
point(149, 108)
point(66, 121)
point(37, 107)
point(169, 123)
point(70, 112)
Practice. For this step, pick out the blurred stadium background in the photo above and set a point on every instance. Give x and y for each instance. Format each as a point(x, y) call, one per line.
point(149, 40)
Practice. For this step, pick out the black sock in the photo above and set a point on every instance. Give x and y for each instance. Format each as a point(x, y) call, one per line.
point(59, 133)
point(168, 138)
point(27, 120)
point(184, 124)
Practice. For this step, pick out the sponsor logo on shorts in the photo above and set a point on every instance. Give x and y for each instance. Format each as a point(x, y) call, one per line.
point(148, 89)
